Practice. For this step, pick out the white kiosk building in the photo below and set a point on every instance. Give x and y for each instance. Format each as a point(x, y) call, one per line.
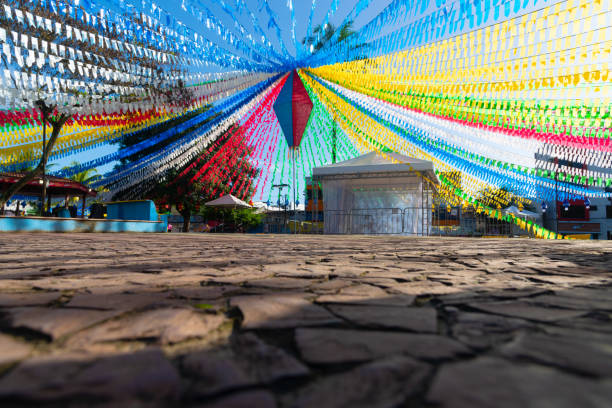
point(374, 194)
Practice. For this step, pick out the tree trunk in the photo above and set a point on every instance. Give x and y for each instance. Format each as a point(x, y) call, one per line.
point(186, 220)
point(14, 188)
point(57, 125)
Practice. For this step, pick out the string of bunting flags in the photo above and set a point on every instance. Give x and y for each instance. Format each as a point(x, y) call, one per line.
point(510, 100)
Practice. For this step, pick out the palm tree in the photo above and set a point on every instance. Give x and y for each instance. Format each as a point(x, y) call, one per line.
point(316, 41)
point(346, 31)
point(85, 177)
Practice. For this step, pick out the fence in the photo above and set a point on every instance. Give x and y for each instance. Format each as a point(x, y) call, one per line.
point(414, 221)
point(395, 221)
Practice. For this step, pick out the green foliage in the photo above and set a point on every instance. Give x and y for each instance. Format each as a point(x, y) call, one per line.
point(179, 191)
point(203, 306)
point(247, 218)
point(189, 197)
point(86, 176)
point(243, 219)
point(322, 35)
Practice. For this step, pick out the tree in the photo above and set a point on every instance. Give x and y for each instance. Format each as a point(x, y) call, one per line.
point(346, 31)
point(322, 35)
point(243, 218)
point(224, 169)
point(86, 176)
point(179, 191)
point(49, 114)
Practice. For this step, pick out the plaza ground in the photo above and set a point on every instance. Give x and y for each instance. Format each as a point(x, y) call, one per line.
point(211, 320)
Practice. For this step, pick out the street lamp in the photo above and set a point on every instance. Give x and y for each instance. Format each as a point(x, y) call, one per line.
point(566, 204)
point(280, 191)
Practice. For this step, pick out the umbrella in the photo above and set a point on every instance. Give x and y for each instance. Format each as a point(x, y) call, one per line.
point(228, 201)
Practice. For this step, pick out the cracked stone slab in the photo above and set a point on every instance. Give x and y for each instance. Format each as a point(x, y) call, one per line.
point(117, 301)
point(418, 319)
point(384, 383)
point(330, 286)
point(12, 350)
point(55, 322)
point(583, 356)
point(264, 362)
point(214, 374)
point(561, 300)
point(280, 283)
point(327, 346)
point(204, 292)
point(249, 362)
point(142, 375)
point(366, 295)
point(253, 398)
point(487, 381)
point(167, 326)
point(525, 310)
point(425, 288)
point(482, 330)
point(28, 299)
point(277, 311)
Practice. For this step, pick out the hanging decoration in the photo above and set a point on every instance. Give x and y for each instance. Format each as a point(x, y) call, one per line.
point(510, 100)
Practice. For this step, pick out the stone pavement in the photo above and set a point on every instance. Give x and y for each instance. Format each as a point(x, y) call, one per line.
point(204, 320)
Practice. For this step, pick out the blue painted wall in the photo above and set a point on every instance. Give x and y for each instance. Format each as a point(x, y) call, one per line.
point(24, 224)
point(131, 210)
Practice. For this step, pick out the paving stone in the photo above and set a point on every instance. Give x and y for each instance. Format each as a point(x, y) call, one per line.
point(235, 279)
point(304, 271)
point(214, 374)
point(583, 356)
point(165, 325)
point(330, 286)
point(249, 362)
point(378, 281)
point(596, 322)
point(481, 330)
point(263, 362)
point(254, 398)
point(575, 334)
point(280, 283)
point(562, 300)
point(55, 322)
point(527, 311)
point(380, 384)
point(12, 350)
point(425, 288)
point(366, 295)
point(144, 375)
point(568, 281)
point(28, 299)
point(117, 301)
point(531, 307)
point(281, 311)
point(486, 382)
point(326, 346)
point(418, 319)
point(204, 292)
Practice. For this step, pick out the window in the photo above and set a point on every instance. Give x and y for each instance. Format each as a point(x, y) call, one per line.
point(608, 211)
point(576, 212)
point(593, 208)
